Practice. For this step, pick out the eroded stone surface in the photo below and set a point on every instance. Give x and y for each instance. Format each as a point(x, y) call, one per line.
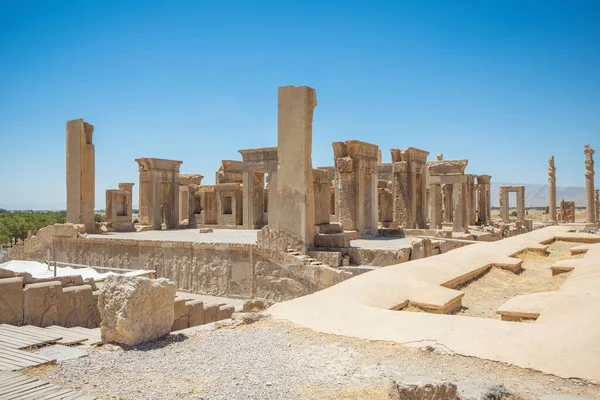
point(136, 310)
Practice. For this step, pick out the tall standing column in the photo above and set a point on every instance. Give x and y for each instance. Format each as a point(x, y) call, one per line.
point(402, 216)
point(589, 187)
point(80, 174)
point(458, 223)
point(521, 203)
point(295, 199)
point(552, 190)
point(504, 205)
point(597, 201)
point(435, 194)
point(254, 199)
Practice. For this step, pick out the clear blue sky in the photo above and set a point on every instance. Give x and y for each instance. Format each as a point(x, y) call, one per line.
point(502, 83)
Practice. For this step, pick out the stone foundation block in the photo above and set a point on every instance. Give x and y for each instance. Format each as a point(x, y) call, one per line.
point(135, 309)
point(195, 312)
point(11, 301)
point(75, 306)
point(180, 314)
point(211, 311)
point(225, 311)
point(41, 303)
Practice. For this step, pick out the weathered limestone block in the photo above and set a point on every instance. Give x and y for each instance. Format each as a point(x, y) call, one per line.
point(254, 305)
point(195, 312)
point(6, 273)
point(65, 281)
point(75, 304)
point(424, 389)
point(211, 312)
point(331, 258)
point(41, 304)
point(181, 315)
point(94, 318)
point(136, 310)
point(11, 301)
point(225, 311)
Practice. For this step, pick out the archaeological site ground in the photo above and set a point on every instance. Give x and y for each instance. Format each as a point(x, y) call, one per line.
point(361, 279)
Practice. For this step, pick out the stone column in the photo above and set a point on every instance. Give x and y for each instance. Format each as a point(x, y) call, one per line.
point(402, 218)
point(345, 187)
point(589, 187)
point(129, 188)
point(295, 200)
point(435, 194)
point(447, 190)
point(458, 217)
point(80, 174)
point(471, 199)
point(504, 205)
point(254, 200)
point(597, 200)
point(521, 203)
point(552, 190)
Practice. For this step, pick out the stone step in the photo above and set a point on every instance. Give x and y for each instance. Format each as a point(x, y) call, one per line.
point(330, 228)
point(331, 258)
point(332, 240)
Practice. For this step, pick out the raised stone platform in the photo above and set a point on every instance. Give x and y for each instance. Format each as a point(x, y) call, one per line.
point(245, 236)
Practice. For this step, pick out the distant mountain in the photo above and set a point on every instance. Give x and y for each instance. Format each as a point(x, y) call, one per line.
point(536, 195)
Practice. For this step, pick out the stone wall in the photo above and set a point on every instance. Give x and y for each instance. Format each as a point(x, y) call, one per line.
point(218, 269)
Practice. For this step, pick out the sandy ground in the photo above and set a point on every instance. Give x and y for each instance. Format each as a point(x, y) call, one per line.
point(276, 360)
point(486, 294)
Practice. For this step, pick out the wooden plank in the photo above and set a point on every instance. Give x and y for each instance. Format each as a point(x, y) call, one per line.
point(37, 392)
point(20, 388)
point(34, 387)
point(14, 343)
point(58, 395)
point(46, 331)
point(18, 338)
point(25, 331)
point(16, 360)
point(22, 354)
point(80, 337)
point(68, 338)
point(4, 381)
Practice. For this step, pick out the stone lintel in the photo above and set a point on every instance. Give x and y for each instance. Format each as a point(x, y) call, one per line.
point(358, 149)
point(190, 179)
point(126, 186)
point(223, 187)
point(263, 154)
point(208, 188)
point(447, 167)
point(232, 166)
point(149, 164)
point(514, 188)
point(409, 154)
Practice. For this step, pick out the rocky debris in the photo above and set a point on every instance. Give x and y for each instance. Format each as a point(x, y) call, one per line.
point(422, 389)
point(256, 305)
point(471, 389)
point(248, 317)
point(205, 230)
point(135, 309)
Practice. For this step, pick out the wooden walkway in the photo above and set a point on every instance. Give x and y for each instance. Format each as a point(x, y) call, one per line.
point(12, 359)
point(22, 337)
point(15, 386)
point(13, 339)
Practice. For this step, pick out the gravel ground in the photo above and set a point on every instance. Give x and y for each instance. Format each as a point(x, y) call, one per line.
point(486, 294)
point(276, 360)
